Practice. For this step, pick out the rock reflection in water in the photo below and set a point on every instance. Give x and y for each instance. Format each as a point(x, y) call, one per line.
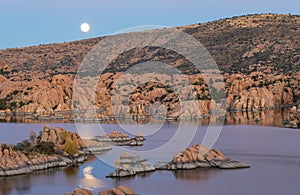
point(196, 174)
point(71, 172)
point(89, 181)
point(23, 183)
point(264, 117)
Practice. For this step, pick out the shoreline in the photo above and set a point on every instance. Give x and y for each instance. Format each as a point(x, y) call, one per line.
point(58, 115)
point(57, 163)
point(272, 117)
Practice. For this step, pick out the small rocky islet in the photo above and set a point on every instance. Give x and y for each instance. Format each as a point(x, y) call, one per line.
point(52, 148)
point(122, 139)
point(198, 156)
point(130, 165)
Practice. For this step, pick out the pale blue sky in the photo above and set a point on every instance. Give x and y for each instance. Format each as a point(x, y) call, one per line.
point(33, 22)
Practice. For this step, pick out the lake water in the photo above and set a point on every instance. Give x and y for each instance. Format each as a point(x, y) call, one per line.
point(273, 153)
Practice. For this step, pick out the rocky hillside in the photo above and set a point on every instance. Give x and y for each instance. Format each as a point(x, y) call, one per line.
point(235, 43)
point(259, 55)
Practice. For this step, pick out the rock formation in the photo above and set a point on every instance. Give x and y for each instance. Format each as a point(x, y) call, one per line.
point(15, 162)
point(130, 166)
point(253, 93)
point(198, 156)
point(60, 137)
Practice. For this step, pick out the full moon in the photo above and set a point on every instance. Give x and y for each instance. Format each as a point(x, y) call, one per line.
point(85, 27)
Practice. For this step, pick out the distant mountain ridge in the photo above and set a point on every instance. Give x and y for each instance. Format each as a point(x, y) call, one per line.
point(235, 44)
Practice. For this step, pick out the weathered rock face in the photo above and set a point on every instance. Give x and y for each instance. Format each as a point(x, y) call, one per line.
point(59, 137)
point(200, 156)
point(11, 158)
point(293, 117)
point(135, 99)
point(258, 91)
point(38, 96)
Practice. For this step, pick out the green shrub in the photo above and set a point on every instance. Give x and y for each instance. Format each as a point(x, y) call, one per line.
point(15, 92)
point(24, 146)
point(70, 147)
point(13, 105)
point(44, 148)
point(3, 104)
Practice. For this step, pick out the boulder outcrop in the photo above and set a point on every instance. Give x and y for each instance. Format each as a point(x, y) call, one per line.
point(60, 137)
point(15, 162)
point(198, 156)
point(246, 97)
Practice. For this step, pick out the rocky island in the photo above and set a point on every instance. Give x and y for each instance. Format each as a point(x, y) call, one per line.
point(198, 156)
point(52, 148)
point(122, 139)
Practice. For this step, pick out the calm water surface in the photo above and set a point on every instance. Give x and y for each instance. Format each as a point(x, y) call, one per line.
point(273, 153)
